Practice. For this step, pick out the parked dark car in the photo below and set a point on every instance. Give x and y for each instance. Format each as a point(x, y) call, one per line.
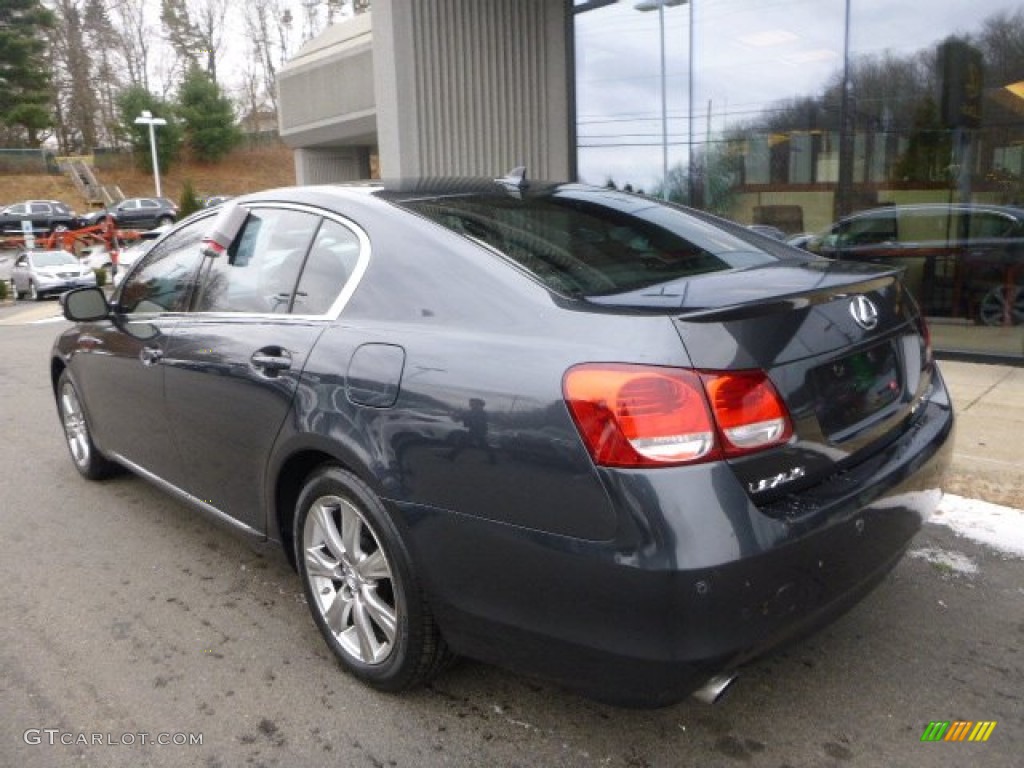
point(564, 429)
point(960, 260)
point(138, 213)
point(46, 216)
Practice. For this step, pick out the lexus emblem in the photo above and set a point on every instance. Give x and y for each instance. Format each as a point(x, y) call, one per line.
point(864, 312)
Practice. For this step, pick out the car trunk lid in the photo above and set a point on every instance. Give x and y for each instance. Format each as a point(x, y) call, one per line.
point(842, 344)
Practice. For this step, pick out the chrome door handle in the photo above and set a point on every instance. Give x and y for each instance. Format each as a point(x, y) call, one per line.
point(151, 355)
point(271, 360)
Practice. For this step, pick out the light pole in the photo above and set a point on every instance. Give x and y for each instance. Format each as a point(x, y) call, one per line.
point(659, 6)
point(146, 118)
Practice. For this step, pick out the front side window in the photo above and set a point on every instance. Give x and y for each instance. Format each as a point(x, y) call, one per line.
point(165, 281)
point(259, 272)
point(148, 204)
point(40, 208)
point(987, 225)
point(17, 210)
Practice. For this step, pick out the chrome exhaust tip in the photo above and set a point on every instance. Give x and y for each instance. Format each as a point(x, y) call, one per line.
point(714, 688)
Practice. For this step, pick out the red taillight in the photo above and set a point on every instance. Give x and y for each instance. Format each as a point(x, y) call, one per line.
point(640, 416)
point(748, 410)
point(637, 416)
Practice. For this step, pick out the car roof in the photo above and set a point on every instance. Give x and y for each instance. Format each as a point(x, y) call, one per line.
point(944, 207)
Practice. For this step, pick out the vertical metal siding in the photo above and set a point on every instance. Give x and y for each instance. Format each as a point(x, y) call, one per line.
point(483, 79)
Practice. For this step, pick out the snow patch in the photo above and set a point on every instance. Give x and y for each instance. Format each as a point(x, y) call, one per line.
point(999, 527)
point(957, 562)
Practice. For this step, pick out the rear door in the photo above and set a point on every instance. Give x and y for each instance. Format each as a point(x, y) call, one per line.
point(236, 361)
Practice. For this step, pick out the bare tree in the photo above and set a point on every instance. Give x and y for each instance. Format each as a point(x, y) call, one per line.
point(131, 27)
point(268, 25)
point(73, 77)
point(195, 30)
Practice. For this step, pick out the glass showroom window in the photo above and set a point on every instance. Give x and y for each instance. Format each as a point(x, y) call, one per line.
point(801, 114)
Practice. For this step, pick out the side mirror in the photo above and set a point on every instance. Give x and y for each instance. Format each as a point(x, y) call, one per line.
point(84, 305)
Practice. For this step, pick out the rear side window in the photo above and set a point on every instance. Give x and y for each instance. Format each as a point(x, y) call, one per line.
point(593, 243)
point(871, 229)
point(331, 263)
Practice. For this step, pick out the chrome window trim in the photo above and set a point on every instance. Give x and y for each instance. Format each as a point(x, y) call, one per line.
point(335, 310)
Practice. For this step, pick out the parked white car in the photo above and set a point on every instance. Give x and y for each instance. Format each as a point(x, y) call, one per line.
point(38, 273)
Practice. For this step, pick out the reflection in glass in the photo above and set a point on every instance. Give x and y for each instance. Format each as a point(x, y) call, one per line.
point(806, 112)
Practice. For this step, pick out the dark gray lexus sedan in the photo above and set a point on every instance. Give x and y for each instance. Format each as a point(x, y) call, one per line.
point(571, 431)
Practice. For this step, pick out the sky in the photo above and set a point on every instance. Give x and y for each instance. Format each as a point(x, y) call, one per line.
point(748, 55)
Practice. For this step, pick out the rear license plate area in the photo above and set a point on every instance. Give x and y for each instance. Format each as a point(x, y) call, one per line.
point(856, 387)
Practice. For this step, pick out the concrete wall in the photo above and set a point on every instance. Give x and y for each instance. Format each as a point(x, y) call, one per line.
point(326, 92)
point(441, 87)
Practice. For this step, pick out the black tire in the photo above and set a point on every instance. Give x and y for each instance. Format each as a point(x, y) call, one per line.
point(84, 454)
point(363, 593)
point(164, 221)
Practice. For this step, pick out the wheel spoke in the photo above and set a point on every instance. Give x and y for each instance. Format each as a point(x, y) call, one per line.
point(368, 644)
point(69, 403)
point(374, 567)
point(382, 614)
point(319, 564)
point(339, 614)
point(351, 527)
point(325, 522)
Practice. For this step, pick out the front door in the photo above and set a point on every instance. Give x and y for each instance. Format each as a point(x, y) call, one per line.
point(124, 356)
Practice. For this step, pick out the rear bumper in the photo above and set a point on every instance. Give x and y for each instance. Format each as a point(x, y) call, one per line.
point(697, 580)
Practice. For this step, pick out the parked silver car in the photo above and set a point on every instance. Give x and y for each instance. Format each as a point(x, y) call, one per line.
point(38, 273)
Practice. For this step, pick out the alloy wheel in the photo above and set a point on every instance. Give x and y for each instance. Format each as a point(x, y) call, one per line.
point(75, 429)
point(1002, 305)
point(350, 579)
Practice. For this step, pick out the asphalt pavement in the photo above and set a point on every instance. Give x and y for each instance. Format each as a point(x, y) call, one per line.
point(124, 613)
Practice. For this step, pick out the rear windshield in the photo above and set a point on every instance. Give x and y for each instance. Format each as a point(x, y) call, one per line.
point(597, 243)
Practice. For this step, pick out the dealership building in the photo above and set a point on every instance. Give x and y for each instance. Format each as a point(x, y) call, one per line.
point(892, 131)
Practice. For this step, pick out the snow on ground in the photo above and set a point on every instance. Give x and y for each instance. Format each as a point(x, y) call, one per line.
point(947, 558)
point(999, 527)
